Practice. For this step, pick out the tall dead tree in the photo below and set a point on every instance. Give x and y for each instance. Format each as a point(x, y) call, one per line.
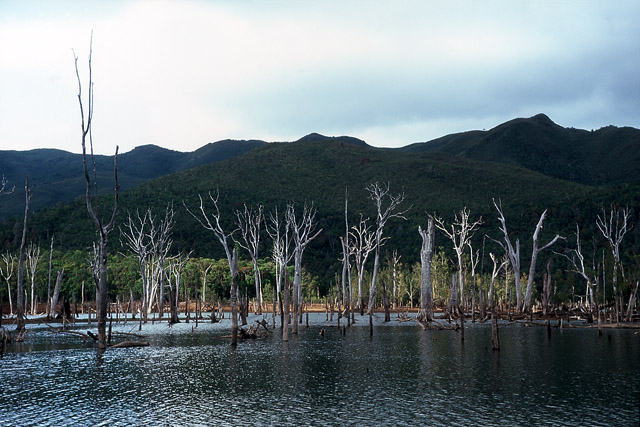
point(494, 275)
point(362, 244)
point(426, 255)
point(395, 261)
point(279, 231)
point(211, 222)
point(137, 234)
point(6, 272)
point(103, 228)
point(249, 222)
point(576, 262)
point(460, 235)
point(161, 243)
point(56, 293)
point(33, 257)
point(534, 257)
point(613, 230)
point(512, 253)
point(176, 264)
point(303, 231)
point(381, 196)
point(346, 263)
point(49, 280)
point(523, 305)
point(474, 258)
point(20, 321)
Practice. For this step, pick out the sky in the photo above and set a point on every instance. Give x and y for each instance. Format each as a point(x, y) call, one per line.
point(181, 74)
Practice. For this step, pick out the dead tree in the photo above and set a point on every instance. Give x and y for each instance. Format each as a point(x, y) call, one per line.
point(20, 321)
point(56, 293)
point(161, 243)
point(3, 186)
point(512, 253)
point(138, 237)
point(534, 257)
point(613, 230)
point(211, 222)
point(234, 296)
point(303, 231)
point(249, 222)
point(576, 261)
point(632, 301)
point(523, 305)
point(33, 257)
point(546, 290)
point(48, 309)
point(381, 195)
point(395, 260)
point(426, 255)
point(494, 275)
point(103, 228)
point(460, 235)
point(346, 262)
point(362, 244)
point(176, 264)
point(6, 272)
point(474, 258)
point(204, 288)
point(279, 231)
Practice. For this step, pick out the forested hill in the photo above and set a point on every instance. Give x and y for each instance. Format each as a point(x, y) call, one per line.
point(610, 155)
point(318, 170)
point(56, 176)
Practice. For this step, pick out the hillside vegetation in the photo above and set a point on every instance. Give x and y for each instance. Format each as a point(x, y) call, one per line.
point(55, 176)
point(609, 155)
point(318, 170)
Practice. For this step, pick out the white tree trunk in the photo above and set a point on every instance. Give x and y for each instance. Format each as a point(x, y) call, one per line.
point(426, 255)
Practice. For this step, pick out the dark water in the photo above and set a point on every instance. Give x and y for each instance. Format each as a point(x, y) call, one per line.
point(403, 375)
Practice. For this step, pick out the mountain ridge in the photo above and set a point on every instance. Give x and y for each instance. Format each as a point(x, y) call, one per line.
point(609, 155)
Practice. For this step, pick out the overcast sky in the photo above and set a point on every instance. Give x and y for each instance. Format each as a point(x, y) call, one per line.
point(181, 74)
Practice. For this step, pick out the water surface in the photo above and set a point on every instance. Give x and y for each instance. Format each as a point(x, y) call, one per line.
point(402, 375)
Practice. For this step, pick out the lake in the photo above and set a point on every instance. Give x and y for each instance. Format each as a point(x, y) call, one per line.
point(401, 375)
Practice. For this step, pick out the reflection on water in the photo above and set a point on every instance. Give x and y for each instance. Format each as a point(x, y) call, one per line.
point(402, 376)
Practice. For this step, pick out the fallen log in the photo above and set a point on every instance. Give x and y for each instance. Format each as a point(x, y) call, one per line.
point(125, 344)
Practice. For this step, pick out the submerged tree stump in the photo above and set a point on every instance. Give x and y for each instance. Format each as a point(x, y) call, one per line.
point(495, 341)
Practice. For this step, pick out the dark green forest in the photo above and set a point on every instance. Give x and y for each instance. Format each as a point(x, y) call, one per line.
point(529, 165)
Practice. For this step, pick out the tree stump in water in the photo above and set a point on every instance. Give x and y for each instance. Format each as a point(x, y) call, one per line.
point(495, 341)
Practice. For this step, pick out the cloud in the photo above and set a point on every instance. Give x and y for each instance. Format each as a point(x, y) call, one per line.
point(183, 73)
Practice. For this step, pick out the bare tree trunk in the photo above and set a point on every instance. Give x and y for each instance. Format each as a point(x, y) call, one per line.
point(546, 290)
point(7, 272)
point(385, 301)
point(426, 255)
point(33, 257)
point(513, 254)
point(49, 281)
point(233, 299)
point(453, 296)
point(379, 194)
point(249, 222)
point(614, 230)
point(303, 231)
point(102, 228)
point(20, 321)
point(534, 258)
point(285, 322)
point(632, 302)
point(460, 235)
point(495, 341)
point(56, 293)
